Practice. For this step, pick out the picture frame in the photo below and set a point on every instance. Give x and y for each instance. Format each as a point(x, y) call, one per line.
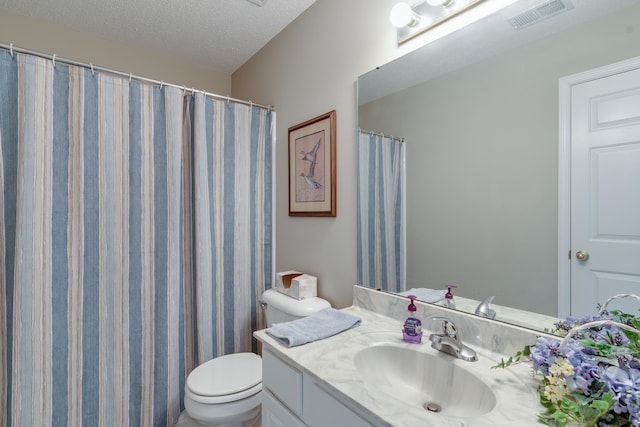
point(312, 167)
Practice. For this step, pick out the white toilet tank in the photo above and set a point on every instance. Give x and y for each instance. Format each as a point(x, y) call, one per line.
point(280, 308)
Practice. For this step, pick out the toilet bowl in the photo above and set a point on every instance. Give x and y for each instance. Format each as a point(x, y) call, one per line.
point(227, 391)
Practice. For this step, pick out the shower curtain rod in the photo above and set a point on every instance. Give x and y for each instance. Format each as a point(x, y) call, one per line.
point(11, 48)
point(370, 132)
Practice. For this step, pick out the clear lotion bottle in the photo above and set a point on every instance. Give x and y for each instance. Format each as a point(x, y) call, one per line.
point(448, 297)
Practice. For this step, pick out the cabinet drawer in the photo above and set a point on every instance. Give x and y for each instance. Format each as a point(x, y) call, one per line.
point(324, 410)
point(284, 381)
point(276, 415)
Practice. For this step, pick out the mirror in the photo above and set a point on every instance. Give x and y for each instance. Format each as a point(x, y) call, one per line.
point(478, 110)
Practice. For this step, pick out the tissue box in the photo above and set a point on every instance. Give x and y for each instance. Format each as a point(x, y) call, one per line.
point(297, 285)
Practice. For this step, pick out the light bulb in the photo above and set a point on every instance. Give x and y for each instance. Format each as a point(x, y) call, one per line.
point(401, 15)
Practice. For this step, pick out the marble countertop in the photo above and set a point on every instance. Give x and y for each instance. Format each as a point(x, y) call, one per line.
point(331, 361)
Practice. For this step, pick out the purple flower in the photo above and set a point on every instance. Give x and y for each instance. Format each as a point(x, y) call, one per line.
point(619, 338)
point(543, 354)
point(593, 361)
point(578, 383)
point(617, 378)
point(585, 368)
point(625, 385)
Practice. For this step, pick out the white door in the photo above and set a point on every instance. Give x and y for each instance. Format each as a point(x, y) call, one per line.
point(605, 192)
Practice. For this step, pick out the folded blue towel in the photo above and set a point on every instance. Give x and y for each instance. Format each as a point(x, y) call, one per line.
point(425, 294)
point(323, 324)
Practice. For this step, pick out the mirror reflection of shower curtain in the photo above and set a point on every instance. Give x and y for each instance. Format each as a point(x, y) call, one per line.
point(381, 211)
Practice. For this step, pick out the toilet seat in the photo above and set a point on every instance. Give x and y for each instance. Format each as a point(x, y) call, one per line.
point(226, 378)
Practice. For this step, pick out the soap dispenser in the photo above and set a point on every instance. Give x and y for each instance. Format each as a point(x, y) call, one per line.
point(412, 330)
point(448, 297)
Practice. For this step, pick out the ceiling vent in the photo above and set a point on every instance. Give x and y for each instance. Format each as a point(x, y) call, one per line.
point(540, 13)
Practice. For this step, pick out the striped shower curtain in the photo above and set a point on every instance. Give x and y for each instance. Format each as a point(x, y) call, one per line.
point(381, 228)
point(135, 240)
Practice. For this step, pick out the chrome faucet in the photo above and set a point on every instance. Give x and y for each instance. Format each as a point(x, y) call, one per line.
point(450, 341)
point(484, 310)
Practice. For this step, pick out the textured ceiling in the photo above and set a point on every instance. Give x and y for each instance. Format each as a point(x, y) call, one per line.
point(220, 34)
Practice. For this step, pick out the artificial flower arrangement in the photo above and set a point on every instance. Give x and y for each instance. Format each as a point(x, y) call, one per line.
point(592, 376)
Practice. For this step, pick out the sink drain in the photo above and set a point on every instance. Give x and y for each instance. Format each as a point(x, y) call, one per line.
point(432, 407)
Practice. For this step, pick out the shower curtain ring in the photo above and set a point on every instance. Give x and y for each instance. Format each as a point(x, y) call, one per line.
point(161, 83)
point(130, 76)
point(92, 70)
point(11, 49)
point(227, 99)
point(53, 59)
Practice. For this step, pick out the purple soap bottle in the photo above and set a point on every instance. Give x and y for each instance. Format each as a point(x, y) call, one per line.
point(412, 330)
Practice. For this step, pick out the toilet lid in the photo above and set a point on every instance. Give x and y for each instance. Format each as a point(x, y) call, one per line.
point(227, 374)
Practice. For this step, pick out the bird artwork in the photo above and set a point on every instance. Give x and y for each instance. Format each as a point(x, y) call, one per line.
point(311, 181)
point(310, 156)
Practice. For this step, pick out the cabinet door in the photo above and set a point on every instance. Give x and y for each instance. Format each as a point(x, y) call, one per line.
point(283, 381)
point(323, 410)
point(274, 414)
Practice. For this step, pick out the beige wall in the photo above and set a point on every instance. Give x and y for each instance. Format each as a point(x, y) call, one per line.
point(308, 69)
point(41, 36)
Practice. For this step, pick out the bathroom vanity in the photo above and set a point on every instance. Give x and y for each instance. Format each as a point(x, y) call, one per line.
point(293, 397)
point(369, 376)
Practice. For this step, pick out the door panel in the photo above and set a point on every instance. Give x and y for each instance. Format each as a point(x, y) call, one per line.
point(605, 191)
point(624, 284)
point(616, 176)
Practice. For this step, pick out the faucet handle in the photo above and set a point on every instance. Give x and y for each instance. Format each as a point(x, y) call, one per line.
point(448, 327)
point(484, 308)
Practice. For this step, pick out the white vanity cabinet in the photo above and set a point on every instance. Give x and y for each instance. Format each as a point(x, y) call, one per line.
point(292, 398)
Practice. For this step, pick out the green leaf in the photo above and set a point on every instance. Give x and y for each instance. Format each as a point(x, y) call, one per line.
point(554, 419)
point(521, 356)
point(601, 405)
point(544, 401)
point(567, 405)
point(581, 398)
point(612, 360)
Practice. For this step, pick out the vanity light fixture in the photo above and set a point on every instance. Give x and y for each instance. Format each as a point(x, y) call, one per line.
point(401, 15)
point(413, 20)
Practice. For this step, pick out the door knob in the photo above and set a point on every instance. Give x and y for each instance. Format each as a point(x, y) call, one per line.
point(582, 255)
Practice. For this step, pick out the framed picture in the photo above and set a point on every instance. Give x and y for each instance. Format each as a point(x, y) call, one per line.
point(312, 167)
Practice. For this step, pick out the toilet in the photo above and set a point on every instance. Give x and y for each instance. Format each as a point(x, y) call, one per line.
point(227, 391)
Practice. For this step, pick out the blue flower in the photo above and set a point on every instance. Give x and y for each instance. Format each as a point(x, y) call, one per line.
point(543, 354)
point(599, 369)
point(585, 368)
point(625, 384)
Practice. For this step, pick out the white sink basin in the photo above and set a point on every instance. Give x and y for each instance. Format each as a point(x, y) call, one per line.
point(436, 382)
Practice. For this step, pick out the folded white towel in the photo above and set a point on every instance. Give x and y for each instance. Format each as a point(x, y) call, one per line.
point(323, 324)
point(425, 294)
